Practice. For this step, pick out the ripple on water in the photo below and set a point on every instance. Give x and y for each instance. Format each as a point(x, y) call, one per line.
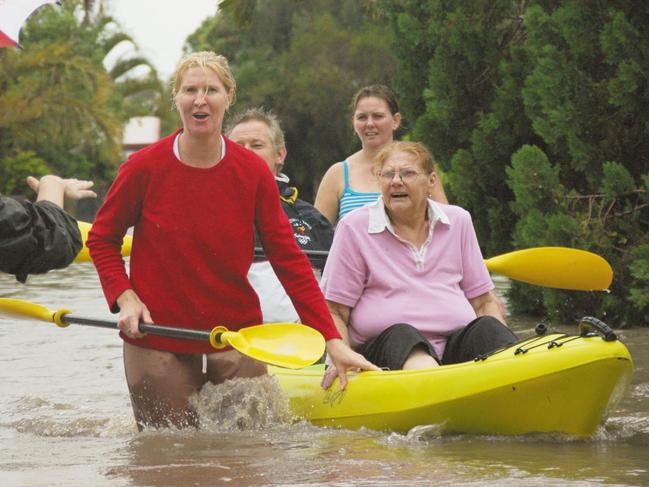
point(64, 427)
point(640, 390)
point(40, 417)
point(27, 404)
point(630, 426)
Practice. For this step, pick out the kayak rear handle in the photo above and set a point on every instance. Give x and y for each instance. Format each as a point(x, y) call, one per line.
point(589, 325)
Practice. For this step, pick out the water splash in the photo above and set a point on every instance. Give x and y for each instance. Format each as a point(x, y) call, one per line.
point(427, 432)
point(242, 405)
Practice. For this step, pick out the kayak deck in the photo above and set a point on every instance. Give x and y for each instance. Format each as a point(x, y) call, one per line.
point(551, 384)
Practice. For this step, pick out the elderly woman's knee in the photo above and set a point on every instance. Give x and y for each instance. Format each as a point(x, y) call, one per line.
point(399, 328)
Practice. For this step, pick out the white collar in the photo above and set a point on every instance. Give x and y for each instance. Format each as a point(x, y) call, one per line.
point(282, 177)
point(379, 220)
point(177, 146)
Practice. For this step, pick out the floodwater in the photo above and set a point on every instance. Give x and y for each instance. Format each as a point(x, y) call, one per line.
point(65, 420)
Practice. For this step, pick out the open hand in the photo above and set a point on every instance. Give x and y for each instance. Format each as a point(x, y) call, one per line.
point(342, 359)
point(71, 188)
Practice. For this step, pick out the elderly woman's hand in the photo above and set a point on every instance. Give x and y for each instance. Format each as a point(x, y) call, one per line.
point(342, 359)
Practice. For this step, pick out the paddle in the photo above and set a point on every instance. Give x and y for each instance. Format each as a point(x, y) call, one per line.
point(318, 258)
point(289, 345)
point(555, 267)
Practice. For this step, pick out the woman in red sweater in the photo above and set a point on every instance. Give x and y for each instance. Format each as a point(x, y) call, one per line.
point(194, 198)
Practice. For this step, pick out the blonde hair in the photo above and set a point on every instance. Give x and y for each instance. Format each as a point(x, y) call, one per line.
point(206, 60)
point(416, 149)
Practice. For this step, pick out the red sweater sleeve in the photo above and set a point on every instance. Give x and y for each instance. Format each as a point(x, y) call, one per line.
point(120, 211)
point(289, 262)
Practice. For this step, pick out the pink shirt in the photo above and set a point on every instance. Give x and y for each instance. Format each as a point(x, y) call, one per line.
point(386, 280)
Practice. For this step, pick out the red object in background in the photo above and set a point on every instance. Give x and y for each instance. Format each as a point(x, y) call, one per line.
point(13, 14)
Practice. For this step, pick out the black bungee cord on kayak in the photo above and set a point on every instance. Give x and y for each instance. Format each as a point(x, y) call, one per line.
point(588, 326)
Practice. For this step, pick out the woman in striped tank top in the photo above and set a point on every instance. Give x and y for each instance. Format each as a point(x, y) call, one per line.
point(375, 119)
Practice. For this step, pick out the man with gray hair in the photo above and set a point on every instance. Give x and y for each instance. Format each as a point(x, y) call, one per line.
point(259, 131)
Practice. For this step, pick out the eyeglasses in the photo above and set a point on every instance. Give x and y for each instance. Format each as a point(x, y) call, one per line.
point(406, 175)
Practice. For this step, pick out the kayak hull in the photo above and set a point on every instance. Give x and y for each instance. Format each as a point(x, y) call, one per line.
point(552, 384)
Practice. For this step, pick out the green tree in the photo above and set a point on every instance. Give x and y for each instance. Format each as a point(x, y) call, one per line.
point(583, 97)
point(55, 103)
point(16, 167)
point(303, 60)
point(458, 79)
point(58, 103)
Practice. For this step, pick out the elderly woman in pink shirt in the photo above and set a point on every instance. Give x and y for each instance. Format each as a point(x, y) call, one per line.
point(405, 280)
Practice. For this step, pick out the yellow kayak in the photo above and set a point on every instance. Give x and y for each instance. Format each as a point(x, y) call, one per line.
point(551, 384)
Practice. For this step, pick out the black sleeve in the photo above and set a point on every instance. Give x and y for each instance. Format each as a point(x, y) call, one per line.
point(36, 237)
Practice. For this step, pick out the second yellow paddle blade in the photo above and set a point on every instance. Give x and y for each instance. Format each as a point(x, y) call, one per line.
point(557, 267)
point(84, 254)
point(289, 345)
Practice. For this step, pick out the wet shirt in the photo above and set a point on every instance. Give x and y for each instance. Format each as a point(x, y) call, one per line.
point(385, 280)
point(193, 243)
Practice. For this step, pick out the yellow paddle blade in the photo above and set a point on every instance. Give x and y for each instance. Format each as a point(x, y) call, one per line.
point(556, 267)
point(25, 309)
point(289, 345)
point(84, 254)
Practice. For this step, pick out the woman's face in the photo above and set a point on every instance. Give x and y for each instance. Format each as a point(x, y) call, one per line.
point(404, 184)
point(202, 101)
point(373, 122)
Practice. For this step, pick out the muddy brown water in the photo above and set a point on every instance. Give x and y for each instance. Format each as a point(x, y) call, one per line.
point(65, 420)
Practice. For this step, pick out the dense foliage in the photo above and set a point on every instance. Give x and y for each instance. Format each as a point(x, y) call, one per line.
point(537, 111)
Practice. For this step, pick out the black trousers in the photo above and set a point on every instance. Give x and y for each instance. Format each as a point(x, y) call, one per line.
point(391, 348)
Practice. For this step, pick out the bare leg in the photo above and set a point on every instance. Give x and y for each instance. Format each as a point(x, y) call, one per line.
point(222, 366)
point(160, 384)
point(419, 359)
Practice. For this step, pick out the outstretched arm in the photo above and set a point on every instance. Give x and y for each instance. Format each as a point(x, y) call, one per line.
point(38, 237)
point(55, 189)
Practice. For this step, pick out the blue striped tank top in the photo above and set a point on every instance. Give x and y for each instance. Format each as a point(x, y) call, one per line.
point(350, 200)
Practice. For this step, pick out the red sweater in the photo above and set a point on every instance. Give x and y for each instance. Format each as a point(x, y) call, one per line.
point(194, 242)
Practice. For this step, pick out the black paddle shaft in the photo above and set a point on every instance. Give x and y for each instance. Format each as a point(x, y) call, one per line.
point(317, 257)
point(167, 331)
